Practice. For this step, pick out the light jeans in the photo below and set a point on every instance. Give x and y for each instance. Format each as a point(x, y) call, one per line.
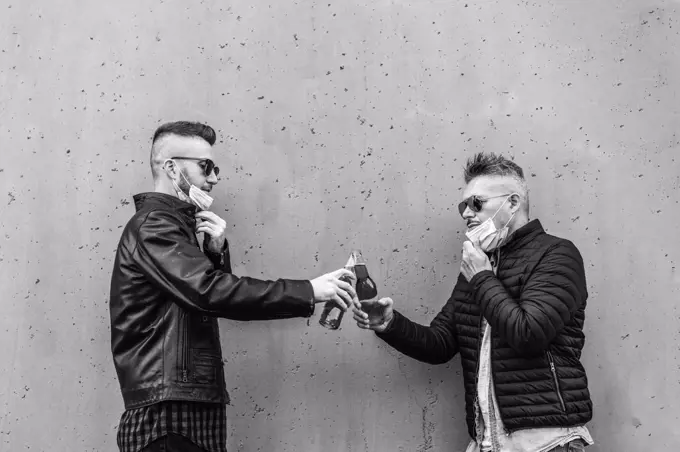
point(573, 446)
point(576, 445)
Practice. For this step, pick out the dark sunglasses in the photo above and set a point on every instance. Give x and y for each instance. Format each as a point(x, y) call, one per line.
point(475, 203)
point(207, 165)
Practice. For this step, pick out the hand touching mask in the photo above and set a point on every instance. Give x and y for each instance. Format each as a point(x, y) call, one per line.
point(486, 236)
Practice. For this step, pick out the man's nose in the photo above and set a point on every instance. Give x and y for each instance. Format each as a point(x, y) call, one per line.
point(468, 213)
point(212, 178)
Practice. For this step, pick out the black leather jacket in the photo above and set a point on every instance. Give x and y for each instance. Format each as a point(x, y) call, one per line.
point(166, 295)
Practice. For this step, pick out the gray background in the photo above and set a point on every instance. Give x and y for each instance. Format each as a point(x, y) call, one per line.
point(342, 124)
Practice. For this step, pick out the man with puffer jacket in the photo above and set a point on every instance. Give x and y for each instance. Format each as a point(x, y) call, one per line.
point(516, 317)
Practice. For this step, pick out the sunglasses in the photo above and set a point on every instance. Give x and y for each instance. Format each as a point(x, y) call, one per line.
point(207, 165)
point(475, 203)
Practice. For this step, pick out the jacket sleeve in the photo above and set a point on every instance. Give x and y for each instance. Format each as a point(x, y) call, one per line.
point(554, 291)
point(221, 260)
point(166, 255)
point(435, 344)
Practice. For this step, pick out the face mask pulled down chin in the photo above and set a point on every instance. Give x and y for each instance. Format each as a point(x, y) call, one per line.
point(486, 236)
point(196, 196)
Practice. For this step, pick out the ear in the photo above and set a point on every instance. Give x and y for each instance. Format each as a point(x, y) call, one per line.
point(171, 169)
point(515, 202)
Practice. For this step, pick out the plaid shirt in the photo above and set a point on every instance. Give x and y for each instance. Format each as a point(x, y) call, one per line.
point(205, 424)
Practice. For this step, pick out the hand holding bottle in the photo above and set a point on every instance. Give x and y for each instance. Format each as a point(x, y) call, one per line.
point(374, 315)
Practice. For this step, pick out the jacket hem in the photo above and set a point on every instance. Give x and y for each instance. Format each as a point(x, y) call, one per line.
point(148, 396)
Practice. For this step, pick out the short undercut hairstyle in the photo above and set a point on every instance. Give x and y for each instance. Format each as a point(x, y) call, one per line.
point(490, 164)
point(186, 129)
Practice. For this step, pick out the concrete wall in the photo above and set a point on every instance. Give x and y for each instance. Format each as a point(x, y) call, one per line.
point(342, 124)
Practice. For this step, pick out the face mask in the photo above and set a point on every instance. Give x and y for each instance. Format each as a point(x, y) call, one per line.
point(196, 196)
point(486, 235)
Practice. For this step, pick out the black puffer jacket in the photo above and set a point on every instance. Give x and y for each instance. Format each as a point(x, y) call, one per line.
point(536, 308)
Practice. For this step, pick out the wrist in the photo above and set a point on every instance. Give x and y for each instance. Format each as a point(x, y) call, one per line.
point(479, 274)
point(386, 324)
point(315, 298)
point(216, 246)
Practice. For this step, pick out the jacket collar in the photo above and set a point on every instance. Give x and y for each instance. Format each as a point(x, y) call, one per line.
point(523, 235)
point(164, 201)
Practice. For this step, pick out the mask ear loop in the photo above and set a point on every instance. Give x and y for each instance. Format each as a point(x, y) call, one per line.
point(506, 223)
point(509, 220)
point(185, 178)
point(501, 206)
point(513, 214)
point(178, 170)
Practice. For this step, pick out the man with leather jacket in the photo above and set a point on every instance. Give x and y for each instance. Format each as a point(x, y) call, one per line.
point(166, 296)
point(516, 317)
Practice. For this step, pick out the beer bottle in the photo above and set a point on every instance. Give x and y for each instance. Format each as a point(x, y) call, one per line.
point(331, 316)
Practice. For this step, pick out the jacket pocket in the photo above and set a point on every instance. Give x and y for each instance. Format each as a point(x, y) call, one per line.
point(205, 366)
point(553, 370)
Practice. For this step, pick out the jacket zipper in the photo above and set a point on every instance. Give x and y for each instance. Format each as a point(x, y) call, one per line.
point(184, 353)
point(557, 383)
